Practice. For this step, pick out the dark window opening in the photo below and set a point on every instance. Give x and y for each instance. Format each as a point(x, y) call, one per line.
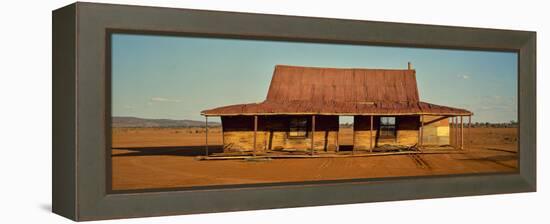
point(297, 128)
point(387, 127)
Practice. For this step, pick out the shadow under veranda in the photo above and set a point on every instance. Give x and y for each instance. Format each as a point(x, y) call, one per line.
point(497, 159)
point(198, 150)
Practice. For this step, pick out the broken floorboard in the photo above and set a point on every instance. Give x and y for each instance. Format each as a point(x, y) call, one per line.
point(322, 155)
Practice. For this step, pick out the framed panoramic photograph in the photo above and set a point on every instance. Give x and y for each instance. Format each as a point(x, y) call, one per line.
point(201, 111)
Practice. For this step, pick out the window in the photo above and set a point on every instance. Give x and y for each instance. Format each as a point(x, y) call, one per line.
point(387, 127)
point(298, 128)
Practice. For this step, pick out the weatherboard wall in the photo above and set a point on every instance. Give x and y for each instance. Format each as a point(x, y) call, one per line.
point(406, 132)
point(436, 131)
point(272, 133)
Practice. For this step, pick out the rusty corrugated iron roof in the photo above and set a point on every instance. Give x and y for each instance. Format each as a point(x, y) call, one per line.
point(294, 83)
point(335, 108)
point(338, 91)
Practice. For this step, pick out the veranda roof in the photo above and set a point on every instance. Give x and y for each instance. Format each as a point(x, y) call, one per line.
point(335, 108)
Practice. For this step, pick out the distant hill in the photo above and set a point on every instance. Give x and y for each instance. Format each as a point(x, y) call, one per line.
point(136, 122)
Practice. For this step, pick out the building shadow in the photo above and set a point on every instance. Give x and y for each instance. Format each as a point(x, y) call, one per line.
point(501, 150)
point(345, 148)
point(199, 150)
point(498, 159)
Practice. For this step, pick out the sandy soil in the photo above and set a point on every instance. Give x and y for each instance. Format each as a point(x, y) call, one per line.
point(166, 157)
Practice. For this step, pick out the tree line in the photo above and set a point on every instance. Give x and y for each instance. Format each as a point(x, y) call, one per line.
point(510, 124)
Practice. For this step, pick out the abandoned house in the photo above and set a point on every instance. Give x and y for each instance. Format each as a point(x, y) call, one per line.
point(304, 104)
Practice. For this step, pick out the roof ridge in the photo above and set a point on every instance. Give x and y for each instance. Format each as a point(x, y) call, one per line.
point(343, 68)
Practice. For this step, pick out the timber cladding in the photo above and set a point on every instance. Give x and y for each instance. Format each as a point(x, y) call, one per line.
point(406, 132)
point(273, 133)
point(436, 130)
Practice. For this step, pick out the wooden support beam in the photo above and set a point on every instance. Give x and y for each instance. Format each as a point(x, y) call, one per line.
point(353, 135)
point(421, 142)
point(338, 136)
point(469, 127)
point(325, 145)
point(419, 130)
point(371, 125)
point(451, 131)
point(223, 138)
point(456, 131)
point(461, 133)
point(206, 134)
point(255, 132)
point(312, 134)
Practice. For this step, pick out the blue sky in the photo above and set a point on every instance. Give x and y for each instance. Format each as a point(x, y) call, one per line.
point(177, 77)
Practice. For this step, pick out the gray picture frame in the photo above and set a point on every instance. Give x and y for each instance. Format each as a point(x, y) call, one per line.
point(81, 111)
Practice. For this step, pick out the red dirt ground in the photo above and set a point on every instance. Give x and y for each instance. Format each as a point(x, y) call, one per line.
point(146, 158)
